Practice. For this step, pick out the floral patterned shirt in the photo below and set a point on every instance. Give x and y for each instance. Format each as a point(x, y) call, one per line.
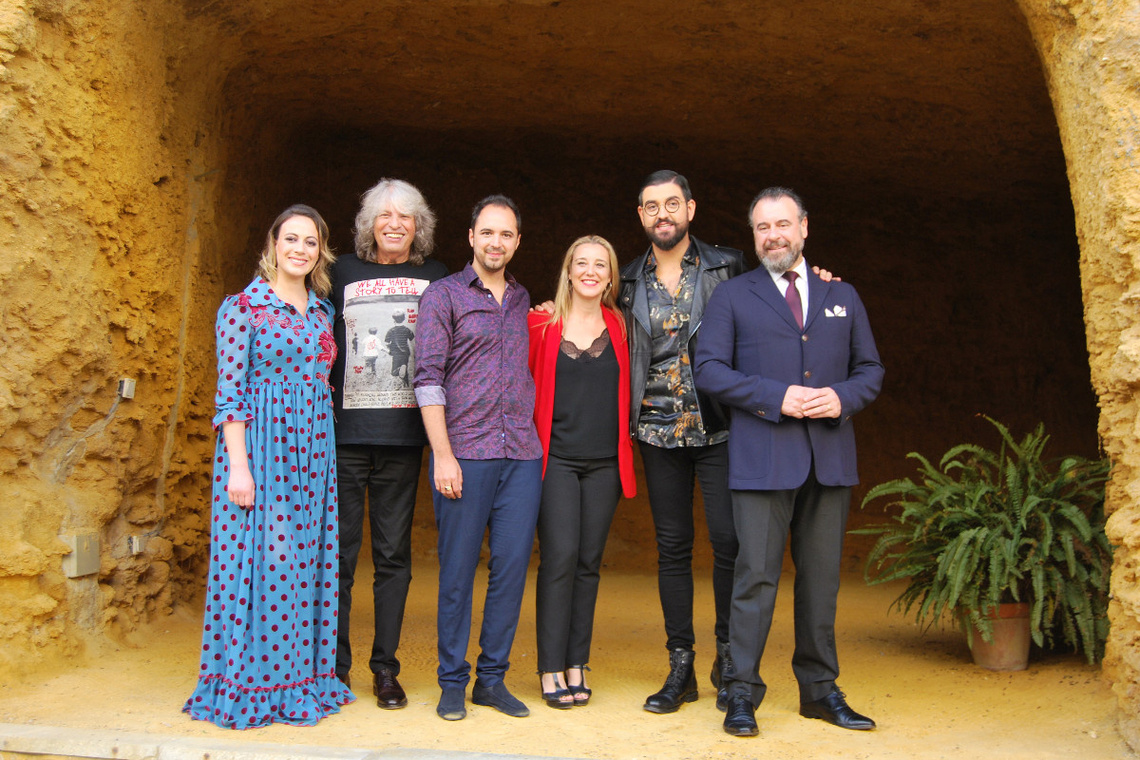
point(472, 359)
point(670, 414)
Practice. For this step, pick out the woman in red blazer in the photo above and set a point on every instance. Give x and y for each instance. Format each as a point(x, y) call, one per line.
point(580, 361)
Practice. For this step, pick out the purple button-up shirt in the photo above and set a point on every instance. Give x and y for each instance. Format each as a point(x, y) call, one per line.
point(471, 358)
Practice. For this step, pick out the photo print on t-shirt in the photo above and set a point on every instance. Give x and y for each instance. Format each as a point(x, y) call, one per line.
point(380, 332)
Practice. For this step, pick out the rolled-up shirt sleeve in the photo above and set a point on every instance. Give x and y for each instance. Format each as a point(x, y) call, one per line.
point(233, 334)
point(431, 395)
point(433, 339)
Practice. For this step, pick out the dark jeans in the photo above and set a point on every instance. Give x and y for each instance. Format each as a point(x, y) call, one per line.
point(579, 497)
point(388, 475)
point(502, 495)
point(670, 476)
point(816, 517)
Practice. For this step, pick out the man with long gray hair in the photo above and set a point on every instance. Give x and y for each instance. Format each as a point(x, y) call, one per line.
point(379, 432)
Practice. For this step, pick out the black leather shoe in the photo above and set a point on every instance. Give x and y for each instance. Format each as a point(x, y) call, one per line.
point(346, 679)
point(389, 694)
point(721, 672)
point(834, 709)
point(499, 698)
point(680, 685)
point(740, 718)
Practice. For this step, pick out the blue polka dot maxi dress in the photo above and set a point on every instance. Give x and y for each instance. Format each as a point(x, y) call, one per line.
point(269, 632)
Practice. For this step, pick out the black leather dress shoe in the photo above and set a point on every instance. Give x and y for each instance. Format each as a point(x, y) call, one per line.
point(389, 694)
point(834, 709)
point(740, 718)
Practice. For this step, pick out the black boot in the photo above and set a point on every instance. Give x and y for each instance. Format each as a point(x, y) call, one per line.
point(680, 685)
point(721, 672)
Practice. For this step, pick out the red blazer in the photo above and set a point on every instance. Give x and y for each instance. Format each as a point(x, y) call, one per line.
point(544, 356)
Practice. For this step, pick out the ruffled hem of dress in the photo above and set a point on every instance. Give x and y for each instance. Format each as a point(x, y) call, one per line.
point(218, 700)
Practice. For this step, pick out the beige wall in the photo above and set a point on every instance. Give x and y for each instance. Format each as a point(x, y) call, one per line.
point(102, 213)
point(1091, 51)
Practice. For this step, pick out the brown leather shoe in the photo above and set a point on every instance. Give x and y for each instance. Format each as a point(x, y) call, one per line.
point(389, 694)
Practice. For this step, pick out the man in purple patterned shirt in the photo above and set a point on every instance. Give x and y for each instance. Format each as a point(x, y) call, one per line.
point(477, 399)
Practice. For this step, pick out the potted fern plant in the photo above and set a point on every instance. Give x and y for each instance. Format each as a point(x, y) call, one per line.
point(985, 527)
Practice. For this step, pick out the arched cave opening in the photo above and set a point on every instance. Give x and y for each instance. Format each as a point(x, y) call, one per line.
point(921, 136)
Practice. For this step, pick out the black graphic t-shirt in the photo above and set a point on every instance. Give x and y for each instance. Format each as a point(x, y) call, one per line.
point(377, 307)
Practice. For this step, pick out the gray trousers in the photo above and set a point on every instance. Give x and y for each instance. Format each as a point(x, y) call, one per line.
point(816, 518)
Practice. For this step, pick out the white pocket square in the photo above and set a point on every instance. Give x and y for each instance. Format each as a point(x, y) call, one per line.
point(835, 311)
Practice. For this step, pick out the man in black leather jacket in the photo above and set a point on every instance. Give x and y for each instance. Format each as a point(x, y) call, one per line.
point(682, 433)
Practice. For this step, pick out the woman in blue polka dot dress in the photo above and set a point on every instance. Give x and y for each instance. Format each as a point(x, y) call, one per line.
point(269, 633)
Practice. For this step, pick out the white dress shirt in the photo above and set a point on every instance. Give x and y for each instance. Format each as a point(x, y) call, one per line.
point(801, 283)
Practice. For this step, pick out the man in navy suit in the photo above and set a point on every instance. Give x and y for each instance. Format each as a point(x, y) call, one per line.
point(794, 360)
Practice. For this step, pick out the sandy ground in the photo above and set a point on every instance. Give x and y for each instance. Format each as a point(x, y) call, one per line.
point(929, 700)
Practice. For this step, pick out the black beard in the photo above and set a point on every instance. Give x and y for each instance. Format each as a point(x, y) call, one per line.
point(680, 229)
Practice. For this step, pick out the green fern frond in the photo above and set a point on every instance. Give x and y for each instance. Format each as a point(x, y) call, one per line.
point(986, 526)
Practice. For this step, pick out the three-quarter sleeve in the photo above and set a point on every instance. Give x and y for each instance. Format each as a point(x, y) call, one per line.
point(232, 331)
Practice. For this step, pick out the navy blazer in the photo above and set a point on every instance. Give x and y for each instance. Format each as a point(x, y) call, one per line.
point(751, 350)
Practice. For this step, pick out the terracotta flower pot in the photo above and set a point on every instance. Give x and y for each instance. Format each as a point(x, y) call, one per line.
point(1010, 648)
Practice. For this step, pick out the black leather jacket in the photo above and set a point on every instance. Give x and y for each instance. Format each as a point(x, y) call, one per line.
point(717, 264)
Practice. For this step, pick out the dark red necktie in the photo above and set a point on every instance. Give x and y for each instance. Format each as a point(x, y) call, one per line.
point(792, 296)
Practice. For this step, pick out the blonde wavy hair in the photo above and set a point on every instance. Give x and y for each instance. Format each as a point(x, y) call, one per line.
point(564, 292)
point(317, 280)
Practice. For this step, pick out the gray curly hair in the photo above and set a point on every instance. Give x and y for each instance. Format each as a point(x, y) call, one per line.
point(406, 199)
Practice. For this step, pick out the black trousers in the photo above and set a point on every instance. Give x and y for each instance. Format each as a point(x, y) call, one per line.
point(671, 475)
point(816, 517)
point(388, 476)
point(579, 497)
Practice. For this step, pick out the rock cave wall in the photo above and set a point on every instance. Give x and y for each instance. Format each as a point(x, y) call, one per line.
point(1091, 52)
point(144, 148)
point(93, 220)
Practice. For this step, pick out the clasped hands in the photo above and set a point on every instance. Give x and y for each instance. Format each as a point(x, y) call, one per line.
point(812, 403)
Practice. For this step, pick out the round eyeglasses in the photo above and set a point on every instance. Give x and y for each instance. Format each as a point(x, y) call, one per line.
point(653, 208)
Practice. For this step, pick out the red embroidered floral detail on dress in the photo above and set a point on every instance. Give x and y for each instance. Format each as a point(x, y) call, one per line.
point(327, 356)
point(262, 315)
point(328, 349)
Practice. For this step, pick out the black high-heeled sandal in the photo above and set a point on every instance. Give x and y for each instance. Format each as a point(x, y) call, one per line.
point(580, 691)
point(557, 698)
